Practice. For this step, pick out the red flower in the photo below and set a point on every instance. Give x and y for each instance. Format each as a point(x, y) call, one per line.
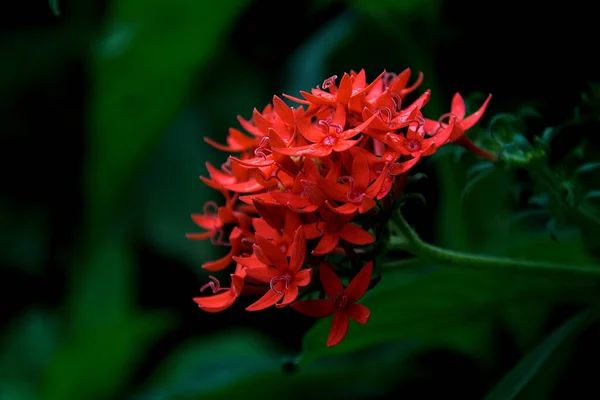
point(356, 194)
point(283, 276)
point(331, 229)
point(221, 301)
point(458, 109)
point(328, 137)
point(415, 144)
point(341, 302)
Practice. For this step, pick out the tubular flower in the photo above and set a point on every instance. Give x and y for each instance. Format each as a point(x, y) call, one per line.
point(302, 183)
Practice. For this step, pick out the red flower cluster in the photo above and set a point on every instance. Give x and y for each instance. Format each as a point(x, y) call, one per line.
point(304, 180)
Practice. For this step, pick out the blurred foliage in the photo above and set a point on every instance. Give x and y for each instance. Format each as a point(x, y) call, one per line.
point(104, 106)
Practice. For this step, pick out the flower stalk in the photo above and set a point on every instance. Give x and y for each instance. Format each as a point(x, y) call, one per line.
point(410, 241)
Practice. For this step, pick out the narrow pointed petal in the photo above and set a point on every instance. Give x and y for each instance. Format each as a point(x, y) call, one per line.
point(458, 106)
point(296, 99)
point(245, 187)
point(472, 119)
point(262, 274)
point(356, 235)
point(249, 127)
point(206, 222)
point(289, 296)
point(303, 277)
point(292, 151)
point(346, 209)
point(339, 328)
point(223, 147)
point(241, 139)
point(254, 162)
point(298, 250)
point(217, 302)
point(317, 308)
point(272, 252)
point(265, 198)
point(199, 236)
point(344, 90)
point(360, 283)
point(317, 150)
point(291, 199)
point(311, 231)
point(330, 281)
point(400, 168)
point(282, 109)
point(219, 264)
point(360, 171)
point(327, 244)
point(366, 205)
point(269, 299)
point(350, 133)
point(270, 214)
point(265, 230)
point(359, 313)
point(307, 129)
point(251, 262)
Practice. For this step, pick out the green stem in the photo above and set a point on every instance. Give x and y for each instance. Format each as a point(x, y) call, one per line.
point(412, 243)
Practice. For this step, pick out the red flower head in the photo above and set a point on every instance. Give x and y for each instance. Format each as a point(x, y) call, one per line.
point(301, 183)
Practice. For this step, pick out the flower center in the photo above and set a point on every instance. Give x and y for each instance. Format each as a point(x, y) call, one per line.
point(329, 140)
point(413, 145)
point(340, 301)
point(354, 196)
point(279, 284)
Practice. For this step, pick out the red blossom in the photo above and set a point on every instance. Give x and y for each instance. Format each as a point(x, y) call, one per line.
point(341, 303)
point(318, 177)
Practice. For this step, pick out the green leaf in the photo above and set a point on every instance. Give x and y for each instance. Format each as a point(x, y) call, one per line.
point(54, 6)
point(211, 363)
point(244, 363)
point(517, 378)
point(587, 167)
point(142, 71)
point(453, 307)
point(26, 349)
point(95, 363)
point(593, 194)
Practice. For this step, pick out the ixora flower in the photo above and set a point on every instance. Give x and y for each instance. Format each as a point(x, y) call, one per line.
point(304, 183)
point(341, 302)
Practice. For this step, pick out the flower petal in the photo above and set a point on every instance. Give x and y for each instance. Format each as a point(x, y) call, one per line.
point(339, 328)
point(266, 301)
point(330, 281)
point(473, 118)
point(360, 283)
point(219, 264)
point(249, 262)
point(311, 231)
point(345, 209)
point(317, 308)
point(262, 274)
point(359, 313)
point(303, 277)
point(356, 235)
point(265, 230)
point(360, 171)
point(458, 106)
point(289, 296)
point(216, 303)
point(328, 242)
point(298, 250)
point(272, 252)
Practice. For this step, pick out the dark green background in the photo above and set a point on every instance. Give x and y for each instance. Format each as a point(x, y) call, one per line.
point(103, 111)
